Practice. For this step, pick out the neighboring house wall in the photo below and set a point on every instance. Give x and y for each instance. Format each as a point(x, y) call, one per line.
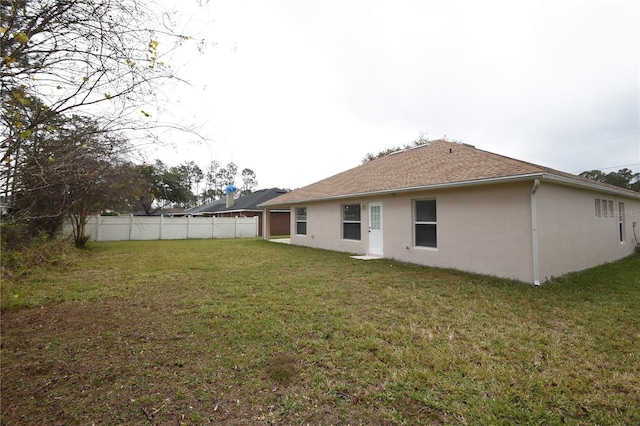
point(479, 229)
point(571, 236)
point(280, 223)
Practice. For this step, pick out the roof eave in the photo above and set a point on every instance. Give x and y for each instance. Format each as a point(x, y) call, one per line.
point(595, 186)
point(444, 185)
point(545, 176)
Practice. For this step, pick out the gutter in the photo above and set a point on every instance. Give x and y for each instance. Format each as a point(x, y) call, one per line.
point(534, 233)
point(504, 179)
point(444, 185)
point(592, 186)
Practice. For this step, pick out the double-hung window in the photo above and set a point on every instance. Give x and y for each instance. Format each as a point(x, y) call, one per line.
point(425, 223)
point(351, 222)
point(301, 220)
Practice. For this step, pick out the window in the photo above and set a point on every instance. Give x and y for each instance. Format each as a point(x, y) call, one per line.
point(351, 222)
point(301, 220)
point(425, 223)
point(621, 221)
point(604, 208)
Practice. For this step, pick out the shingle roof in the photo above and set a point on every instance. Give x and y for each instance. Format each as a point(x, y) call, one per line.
point(251, 201)
point(436, 163)
point(247, 202)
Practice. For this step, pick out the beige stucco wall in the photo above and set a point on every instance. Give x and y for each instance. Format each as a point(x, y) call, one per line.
point(324, 228)
point(487, 229)
point(572, 238)
point(480, 229)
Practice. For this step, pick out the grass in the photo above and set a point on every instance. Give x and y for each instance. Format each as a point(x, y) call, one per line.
point(251, 332)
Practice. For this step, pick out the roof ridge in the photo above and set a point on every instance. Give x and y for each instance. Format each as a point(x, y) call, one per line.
point(436, 163)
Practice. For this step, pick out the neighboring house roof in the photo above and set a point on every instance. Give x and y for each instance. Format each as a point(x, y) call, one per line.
point(207, 208)
point(436, 164)
point(175, 211)
point(248, 202)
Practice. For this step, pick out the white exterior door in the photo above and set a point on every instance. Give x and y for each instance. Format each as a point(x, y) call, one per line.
point(375, 229)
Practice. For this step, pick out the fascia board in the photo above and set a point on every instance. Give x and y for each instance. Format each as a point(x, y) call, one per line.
point(562, 180)
point(445, 185)
point(544, 176)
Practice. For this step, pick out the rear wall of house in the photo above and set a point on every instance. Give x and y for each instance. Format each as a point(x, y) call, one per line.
point(573, 235)
point(479, 229)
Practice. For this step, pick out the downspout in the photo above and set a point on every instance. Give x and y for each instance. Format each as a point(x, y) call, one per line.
point(534, 232)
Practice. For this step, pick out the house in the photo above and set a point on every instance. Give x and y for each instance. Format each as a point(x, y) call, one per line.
point(247, 206)
point(450, 205)
point(173, 211)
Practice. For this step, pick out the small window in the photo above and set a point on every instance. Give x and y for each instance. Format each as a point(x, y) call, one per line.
point(598, 211)
point(301, 220)
point(606, 211)
point(425, 223)
point(351, 222)
point(610, 208)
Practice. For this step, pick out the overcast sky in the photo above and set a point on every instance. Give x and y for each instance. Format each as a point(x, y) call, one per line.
point(301, 90)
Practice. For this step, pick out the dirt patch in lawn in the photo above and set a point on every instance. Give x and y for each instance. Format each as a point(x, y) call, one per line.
point(117, 362)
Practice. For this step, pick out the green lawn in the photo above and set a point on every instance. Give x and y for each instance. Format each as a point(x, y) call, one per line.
point(252, 332)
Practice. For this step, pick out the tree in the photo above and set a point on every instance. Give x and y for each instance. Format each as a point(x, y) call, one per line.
point(79, 53)
point(249, 182)
point(93, 58)
point(146, 187)
point(178, 181)
point(624, 178)
point(226, 176)
point(171, 185)
point(192, 175)
point(103, 185)
point(65, 169)
point(595, 175)
point(211, 175)
point(422, 140)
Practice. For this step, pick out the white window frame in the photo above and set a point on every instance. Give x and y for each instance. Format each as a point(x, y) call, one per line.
point(301, 219)
point(610, 208)
point(343, 208)
point(416, 222)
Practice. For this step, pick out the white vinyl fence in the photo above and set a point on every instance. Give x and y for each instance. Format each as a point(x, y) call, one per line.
point(122, 228)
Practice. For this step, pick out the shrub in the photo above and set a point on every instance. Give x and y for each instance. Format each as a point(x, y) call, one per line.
point(22, 253)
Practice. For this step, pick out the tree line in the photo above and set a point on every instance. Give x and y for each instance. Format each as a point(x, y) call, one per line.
point(624, 178)
point(76, 168)
point(78, 78)
point(187, 185)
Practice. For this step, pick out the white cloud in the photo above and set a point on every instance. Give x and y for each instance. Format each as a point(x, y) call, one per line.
point(299, 91)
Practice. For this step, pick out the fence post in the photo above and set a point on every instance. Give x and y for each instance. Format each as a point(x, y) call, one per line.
point(161, 226)
point(235, 226)
point(257, 219)
point(188, 227)
point(130, 226)
point(98, 220)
